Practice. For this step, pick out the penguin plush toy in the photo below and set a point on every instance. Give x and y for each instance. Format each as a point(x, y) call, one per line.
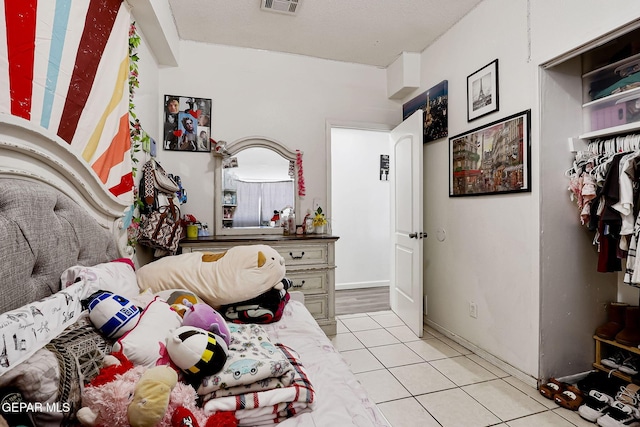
point(198, 353)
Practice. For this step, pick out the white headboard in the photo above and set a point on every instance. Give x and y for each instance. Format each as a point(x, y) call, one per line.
point(30, 152)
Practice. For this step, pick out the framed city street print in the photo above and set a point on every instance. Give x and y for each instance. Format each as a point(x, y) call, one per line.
point(187, 123)
point(492, 159)
point(482, 91)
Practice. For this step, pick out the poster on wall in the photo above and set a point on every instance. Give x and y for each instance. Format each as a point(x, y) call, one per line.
point(187, 123)
point(492, 159)
point(482, 91)
point(435, 104)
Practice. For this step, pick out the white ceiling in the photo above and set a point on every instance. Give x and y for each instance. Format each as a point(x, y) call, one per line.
point(373, 32)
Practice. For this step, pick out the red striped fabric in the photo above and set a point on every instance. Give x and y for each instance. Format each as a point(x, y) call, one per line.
point(98, 25)
point(20, 21)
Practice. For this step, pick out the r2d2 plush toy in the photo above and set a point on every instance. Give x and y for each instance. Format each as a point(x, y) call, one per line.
point(111, 314)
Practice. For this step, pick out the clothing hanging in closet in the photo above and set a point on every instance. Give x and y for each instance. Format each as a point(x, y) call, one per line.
point(605, 184)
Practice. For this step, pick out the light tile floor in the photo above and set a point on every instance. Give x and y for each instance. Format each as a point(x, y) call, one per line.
point(434, 382)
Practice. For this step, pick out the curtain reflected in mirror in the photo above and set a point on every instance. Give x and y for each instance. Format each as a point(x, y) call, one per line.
point(257, 202)
point(256, 181)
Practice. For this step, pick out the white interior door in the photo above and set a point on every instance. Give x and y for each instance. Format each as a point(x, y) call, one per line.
point(406, 291)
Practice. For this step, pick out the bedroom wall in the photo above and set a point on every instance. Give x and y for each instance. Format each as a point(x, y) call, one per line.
point(492, 251)
point(491, 254)
point(285, 97)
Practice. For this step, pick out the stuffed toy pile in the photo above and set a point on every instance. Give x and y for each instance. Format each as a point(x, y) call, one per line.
point(169, 337)
point(125, 395)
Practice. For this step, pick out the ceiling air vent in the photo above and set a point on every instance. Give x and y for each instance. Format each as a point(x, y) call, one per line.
point(289, 7)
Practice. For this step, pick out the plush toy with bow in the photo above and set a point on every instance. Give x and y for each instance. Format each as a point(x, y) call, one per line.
point(204, 316)
point(138, 396)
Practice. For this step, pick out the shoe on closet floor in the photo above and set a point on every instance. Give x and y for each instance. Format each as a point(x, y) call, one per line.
point(629, 394)
point(594, 405)
point(571, 398)
point(620, 415)
point(552, 388)
point(615, 360)
point(600, 392)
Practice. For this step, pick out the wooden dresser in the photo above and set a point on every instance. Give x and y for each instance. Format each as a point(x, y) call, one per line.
point(309, 260)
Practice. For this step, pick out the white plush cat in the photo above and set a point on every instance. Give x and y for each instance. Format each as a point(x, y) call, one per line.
point(239, 274)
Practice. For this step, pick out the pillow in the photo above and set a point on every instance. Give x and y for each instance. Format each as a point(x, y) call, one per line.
point(241, 273)
point(118, 276)
point(55, 373)
point(27, 329)
point(145, 343)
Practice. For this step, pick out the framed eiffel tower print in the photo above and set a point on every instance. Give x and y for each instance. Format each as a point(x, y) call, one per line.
point(482, 91)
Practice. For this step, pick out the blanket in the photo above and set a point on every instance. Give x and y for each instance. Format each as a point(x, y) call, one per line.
point(270, 406)
point(253, 364)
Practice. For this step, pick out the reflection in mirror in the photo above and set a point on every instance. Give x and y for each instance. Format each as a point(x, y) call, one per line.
point(257, 183)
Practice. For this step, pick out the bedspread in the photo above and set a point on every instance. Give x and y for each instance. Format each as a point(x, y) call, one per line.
point(340, 399)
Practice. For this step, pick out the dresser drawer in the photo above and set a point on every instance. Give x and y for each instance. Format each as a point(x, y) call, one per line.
point(303, 254)
point(318, 306)
point(309, 282)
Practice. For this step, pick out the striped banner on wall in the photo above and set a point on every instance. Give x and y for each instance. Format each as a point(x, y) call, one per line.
point(64, 66)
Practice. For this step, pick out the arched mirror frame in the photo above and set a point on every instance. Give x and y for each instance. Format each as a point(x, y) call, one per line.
point(231, 150)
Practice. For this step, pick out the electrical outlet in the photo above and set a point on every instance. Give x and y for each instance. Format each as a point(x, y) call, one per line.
point(473, 310)
point(316, 204)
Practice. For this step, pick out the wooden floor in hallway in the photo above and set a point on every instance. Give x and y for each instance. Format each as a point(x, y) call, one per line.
point(365, 300)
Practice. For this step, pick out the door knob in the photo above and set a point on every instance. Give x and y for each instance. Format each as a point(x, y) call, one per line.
point(413, 235)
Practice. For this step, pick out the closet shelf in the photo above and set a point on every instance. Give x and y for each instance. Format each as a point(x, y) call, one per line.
point(610, 67)
point(627, 95)
point(598, 357)
point(616, 130)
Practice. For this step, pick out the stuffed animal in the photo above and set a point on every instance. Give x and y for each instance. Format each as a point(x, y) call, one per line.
point(241, 273)
point(108, 404)
point(151, 396)
point(111, 314)
point(197, 352)
point(176, 297)
point(265, 308)
point(206, 317)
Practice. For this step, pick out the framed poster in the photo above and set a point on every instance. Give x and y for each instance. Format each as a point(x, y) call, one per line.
point(187, 124)
point(435, 104)
point(492, 159)
point(482, 91)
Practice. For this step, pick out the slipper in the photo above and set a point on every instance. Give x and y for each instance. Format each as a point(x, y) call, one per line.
point(571, 398)
point(551, 388)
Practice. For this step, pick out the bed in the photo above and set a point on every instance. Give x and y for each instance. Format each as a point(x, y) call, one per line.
point(54, 215)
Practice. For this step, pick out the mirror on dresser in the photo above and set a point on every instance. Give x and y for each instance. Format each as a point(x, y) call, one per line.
point(254, 177)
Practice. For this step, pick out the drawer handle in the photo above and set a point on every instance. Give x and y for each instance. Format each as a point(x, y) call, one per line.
point(298, 286)
point(296, 257)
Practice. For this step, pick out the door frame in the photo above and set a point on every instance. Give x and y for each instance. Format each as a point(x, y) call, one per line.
point(347, 125)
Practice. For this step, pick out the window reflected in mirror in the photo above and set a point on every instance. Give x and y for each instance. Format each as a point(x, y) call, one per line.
point(256, 183)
